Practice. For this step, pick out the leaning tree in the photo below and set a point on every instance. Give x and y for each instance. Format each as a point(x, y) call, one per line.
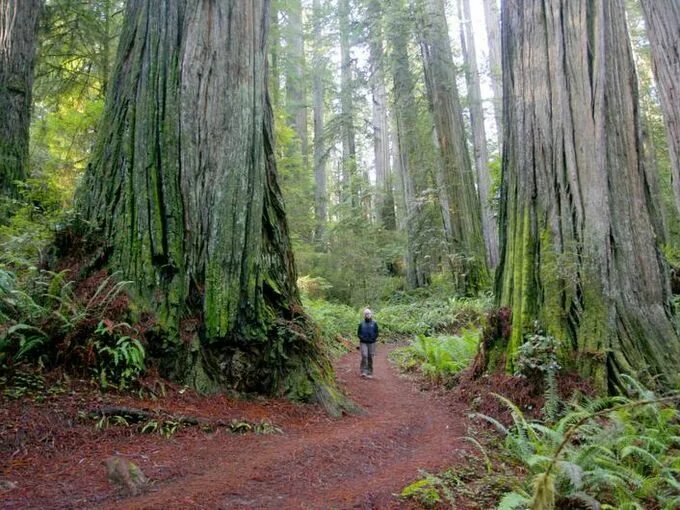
point(579, 250)
point(18, 28)
point(182, 188)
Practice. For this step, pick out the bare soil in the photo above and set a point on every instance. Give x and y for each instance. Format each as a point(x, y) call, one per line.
point(359, 461)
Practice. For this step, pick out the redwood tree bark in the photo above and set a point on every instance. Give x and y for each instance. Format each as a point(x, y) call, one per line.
point(18, 30)
point(663, 27)
point(464, 208)
point(182, 186)
point(579, 252)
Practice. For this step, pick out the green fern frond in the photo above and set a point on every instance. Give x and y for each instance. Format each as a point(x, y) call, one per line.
point(573, 472)
point(514, 501)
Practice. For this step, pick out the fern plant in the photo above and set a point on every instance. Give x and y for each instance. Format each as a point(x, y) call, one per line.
point(614, 452)
point(120, 358)
point(438, 358)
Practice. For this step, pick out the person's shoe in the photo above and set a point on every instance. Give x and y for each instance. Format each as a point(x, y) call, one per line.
point(369, 376)
point(363, 375)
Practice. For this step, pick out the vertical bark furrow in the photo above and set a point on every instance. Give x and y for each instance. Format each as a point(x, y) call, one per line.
point(579, 248)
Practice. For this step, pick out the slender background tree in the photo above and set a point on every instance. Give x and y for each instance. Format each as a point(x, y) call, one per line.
point(18, 38)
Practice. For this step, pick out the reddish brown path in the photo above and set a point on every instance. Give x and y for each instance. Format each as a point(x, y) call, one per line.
point(317, 463)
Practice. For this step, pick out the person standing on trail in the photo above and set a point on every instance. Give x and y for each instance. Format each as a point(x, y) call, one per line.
point(368, 334)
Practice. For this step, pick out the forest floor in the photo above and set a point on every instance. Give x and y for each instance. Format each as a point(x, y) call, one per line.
point(55, 455)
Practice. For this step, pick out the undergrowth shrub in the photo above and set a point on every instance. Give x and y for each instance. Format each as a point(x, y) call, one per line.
point(49, 319)
point(438, 358)
point(432, 315)
point(537, 360)
point(337, 323)
point(609, 453)
point(120, 356)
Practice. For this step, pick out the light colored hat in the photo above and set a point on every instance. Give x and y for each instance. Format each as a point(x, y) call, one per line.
point(367, 311)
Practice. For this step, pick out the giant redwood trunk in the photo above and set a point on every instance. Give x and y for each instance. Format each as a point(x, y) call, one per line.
point(663, 27)
point(464, 209)
point(579, 253)
point(182, 186)
point(18, 27)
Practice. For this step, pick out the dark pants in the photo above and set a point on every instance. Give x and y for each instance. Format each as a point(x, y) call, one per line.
point(367, 353)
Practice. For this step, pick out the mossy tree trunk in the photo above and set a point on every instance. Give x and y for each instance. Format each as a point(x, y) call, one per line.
point(18, 33)
point(663, 27)
point(464, 225)
point(182, 186)
point(579, 251)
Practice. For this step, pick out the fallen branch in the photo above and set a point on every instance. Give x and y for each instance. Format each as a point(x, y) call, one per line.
point(135, 415)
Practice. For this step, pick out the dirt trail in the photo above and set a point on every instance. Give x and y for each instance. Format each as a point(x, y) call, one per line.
point(317, 463)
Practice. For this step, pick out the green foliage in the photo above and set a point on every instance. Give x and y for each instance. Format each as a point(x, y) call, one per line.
point(360, 262)
point(45, 323)
point(538, 356)
point(428, 491)
point(165, 428)
point(120, 357)
point(431, 315)
point(440, 357)
point(615, 452)
point(337, 323)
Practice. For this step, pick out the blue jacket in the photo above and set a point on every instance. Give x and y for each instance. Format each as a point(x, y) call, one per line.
point(368, 331)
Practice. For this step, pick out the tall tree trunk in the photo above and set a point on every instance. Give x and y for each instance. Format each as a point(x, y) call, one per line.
point(663, 27)
point(579, 252)
point(406, 120)
point(182, 186)
point(466, 237)
point(493, 38)
point(320, 192)
point(274, 54)
point(296, 100)
point(481, 151)
point(384, 203)
point(349, 195)
point(18, 29)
